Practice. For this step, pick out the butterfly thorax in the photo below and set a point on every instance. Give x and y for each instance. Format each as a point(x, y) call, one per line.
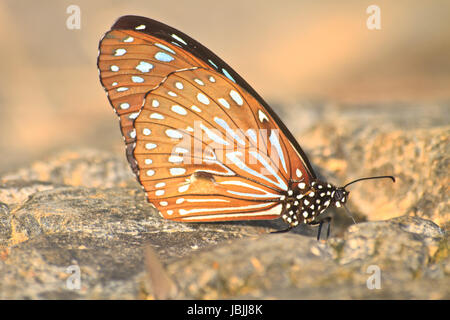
point(304, 203)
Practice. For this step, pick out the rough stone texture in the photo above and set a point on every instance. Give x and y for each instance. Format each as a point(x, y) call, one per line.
point(407, 250)
point(84, 208)
point(411, 144)
point(81, 167)
point(102, 231)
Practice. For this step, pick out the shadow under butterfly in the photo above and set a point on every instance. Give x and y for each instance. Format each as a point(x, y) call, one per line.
point(203, 144)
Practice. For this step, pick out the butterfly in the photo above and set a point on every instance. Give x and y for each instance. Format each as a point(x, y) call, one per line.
point(202, 143)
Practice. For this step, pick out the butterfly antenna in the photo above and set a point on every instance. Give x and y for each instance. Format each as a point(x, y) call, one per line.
point(370, 178)
point(349, 213)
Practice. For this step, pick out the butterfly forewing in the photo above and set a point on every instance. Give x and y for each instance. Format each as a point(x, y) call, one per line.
point(203, 144)
point(130, 64)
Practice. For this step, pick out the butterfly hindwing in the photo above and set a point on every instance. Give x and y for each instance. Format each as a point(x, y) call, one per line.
point(204, 145)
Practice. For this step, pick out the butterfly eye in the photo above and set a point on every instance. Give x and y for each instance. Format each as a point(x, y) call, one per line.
point(338, 195)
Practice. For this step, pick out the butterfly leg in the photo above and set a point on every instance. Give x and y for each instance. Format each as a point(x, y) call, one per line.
point(320, 223)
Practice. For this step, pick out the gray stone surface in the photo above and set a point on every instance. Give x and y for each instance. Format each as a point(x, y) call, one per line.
point(406, 250)
point(84, 208)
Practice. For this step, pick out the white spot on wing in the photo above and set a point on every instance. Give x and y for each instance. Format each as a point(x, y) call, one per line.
point(175, 159)
point(270, 169)
point(181, 150)
point(202, 98)
point(236, 97)
point(195, 108)
point(252, 134)
point(175, 134)
point(179, 110)
point(150, 146)
point(212, 135)
point(233, 157)
point(262, 116)
point(157, 116)
point(161, 46)
point(200, 82)
point(270, 212)
point(224, 102)
point(229, 131)
point(206, 200)
point(178, 39)
point(246, 185)
point(120, 52)
point(137, 79)
point(144, 66)
point(163, 57)
point(212, 63)
point(225, 72)
point(276, 143)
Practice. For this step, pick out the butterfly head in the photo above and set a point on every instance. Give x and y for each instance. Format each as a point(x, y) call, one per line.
point(340, 196)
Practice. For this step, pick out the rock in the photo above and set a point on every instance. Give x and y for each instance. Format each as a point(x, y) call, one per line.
point(17, 191)
point(80, 214)
point(288, 266)
point(419, 158)
point(5, 224)
point(100, 230)
point(81, 167)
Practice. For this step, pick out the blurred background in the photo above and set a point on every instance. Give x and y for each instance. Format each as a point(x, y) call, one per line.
point(291, 52)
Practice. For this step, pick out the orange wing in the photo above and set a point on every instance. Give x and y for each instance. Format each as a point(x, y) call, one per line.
point(202, 142)
point(132, 63)
point(207, 150)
